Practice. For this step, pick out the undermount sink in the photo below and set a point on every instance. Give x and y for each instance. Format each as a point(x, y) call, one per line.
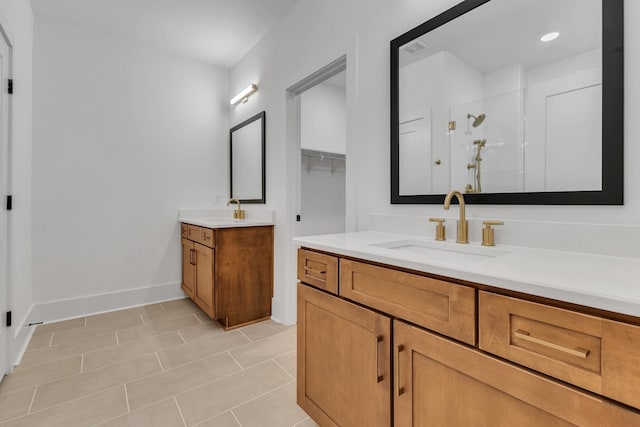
point(442, 251)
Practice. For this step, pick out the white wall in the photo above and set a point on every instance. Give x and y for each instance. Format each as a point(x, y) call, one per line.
point(323, 119)
point(318, 31)
point(124, 136)
point(16, 18)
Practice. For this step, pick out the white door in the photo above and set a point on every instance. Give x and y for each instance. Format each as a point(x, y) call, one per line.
point(4, 187)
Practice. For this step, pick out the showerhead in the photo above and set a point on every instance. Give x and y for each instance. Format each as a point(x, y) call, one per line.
point(477, 121)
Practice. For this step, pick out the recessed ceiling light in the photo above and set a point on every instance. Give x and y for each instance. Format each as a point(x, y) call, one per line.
point(549, 36)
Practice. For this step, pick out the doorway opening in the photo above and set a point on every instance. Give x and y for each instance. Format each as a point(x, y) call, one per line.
point(318, 112)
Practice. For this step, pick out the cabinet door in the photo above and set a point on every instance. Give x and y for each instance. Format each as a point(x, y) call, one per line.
point(442, 383)
point(343, 361)
point(188, 267)
point(204, 294)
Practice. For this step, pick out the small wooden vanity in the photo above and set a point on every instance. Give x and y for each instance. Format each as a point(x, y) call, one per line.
point(380, 345)
point(228, 272)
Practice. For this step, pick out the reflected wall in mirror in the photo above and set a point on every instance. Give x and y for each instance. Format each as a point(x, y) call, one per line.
point(247, 160)
point(481, 104)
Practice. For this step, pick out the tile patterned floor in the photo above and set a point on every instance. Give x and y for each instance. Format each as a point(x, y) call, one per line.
point(158, 365)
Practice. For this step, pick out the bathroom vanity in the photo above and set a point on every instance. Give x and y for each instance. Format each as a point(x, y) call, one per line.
point(227, 268)
point(394, 330)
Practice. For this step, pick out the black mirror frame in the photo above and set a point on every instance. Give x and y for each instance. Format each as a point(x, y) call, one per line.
point(612, 192)
point(263, 117)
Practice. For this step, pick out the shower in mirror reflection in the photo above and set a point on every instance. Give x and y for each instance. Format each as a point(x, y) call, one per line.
point(477, 121)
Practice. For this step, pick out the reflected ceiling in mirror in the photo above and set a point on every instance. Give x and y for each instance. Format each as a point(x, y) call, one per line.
point(481, 104)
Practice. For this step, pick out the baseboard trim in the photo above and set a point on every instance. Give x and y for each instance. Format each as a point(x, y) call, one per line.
point(21, 339)
point(55, 311)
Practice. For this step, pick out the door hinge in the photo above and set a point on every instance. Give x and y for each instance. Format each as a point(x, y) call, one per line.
point(9, 202)
point(8, 319)
point(10, 86)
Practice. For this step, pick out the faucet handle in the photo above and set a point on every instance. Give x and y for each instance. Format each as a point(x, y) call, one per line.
point(488, 238)
point(440, 230)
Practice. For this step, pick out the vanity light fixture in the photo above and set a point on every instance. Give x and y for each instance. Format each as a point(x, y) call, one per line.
point(550, 36)
point(244, 94)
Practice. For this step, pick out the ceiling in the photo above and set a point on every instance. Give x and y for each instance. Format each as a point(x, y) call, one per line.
point(218, 32)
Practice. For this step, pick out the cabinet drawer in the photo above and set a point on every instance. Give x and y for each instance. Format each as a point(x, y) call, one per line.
point(201, 235)
point(435, 304)
point(318, 270)
point(591, 352)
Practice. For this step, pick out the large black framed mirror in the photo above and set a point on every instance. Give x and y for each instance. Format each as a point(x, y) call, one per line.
point(480, 103)
point(247, 160)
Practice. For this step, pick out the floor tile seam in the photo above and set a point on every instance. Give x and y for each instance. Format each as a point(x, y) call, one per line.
point(51, 339)
point(235, 360)
point(70, 342)
point(302, 421)
point(55, 361)
point(273, 358)
point(228, 350)
point(181, 337)
point(235, 417)
point(131, 358)
point(8, 420)
point(180, 411)
point(210, 382)
point(60, 404)
point(159, 361)
point(204, 337)
point(94, 370)
point(244, 403)
point(82, 363)
point(130, 412)
point(96, 334)
point(33, 398)
point(160, 333)
point(177, 315)
point(283, 368)
point(245, 335)
point(194, 314)
point(273, 335)
point(126, 398)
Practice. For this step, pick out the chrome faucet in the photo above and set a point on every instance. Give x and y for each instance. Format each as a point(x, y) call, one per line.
point(463, 224)
point(237, 213)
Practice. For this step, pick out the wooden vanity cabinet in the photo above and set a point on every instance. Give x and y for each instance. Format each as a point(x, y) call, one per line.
point(343, 361)
point(442, 383)
point(228, 272)
point(439, 374)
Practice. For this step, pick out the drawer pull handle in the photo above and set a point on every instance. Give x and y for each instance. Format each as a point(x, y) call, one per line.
point(206, 237)
point(191, 257)
point(313, 270)
point(379, 377)
point(578, 352)
point(399, 390)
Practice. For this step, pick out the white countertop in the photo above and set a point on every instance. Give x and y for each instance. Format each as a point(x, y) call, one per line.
point(604, 282)
point(223, 218)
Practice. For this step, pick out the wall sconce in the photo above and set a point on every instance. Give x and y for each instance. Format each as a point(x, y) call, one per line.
point(244, 94)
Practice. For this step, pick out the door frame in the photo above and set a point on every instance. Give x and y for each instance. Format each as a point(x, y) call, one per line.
point(5, 189)
point(294, 165)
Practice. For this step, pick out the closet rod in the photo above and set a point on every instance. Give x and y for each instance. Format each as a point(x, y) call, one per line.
point(323, 154)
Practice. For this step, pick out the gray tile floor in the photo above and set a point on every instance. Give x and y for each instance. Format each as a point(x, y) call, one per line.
point(158, 365)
